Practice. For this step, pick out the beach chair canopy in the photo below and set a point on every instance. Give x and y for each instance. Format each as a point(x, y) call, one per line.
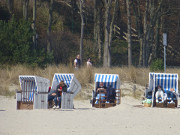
point(69, 79)
point(31, 84)
point(108, 80)
point(165, 80)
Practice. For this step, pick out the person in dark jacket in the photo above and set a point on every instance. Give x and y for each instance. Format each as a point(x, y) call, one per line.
point(77, 62)
point(57, 99)
point(110, 94)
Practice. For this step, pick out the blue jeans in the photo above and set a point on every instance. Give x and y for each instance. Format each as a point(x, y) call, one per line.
point(57, 101)
point(172, 95)
point(50, 97)
point(98, 96)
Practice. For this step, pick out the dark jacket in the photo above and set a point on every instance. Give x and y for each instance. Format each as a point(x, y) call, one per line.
point(110, 93)
point(58, 93)
point(78, 64)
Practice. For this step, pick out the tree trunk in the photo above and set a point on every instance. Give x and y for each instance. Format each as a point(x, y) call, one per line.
point(139, 27)
point(49, 26)
point(108, 4)
point(141, 51)
point(34, 22)
point(150, 38)
point(111, 30)
point(10, 6)
point(129, 34)
point(99, 37)
point(73, 3)
point(82, 29)
point(95, 23)
point(25, 9)
point(156, 55)
point(97, 28)
point(145, 31)
point(155, 14)
point(109, 23)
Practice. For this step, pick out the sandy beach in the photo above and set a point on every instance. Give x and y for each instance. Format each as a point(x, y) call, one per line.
point(128, 118)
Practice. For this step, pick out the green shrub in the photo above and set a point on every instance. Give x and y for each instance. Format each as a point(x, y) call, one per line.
point(17, 46)
point(157, 65)
point(15, 41)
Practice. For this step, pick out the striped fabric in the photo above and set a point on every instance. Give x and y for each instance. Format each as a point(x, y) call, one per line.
point(165, 80)
point(67, 78)
point(64, 77)
point(31, 84)
point(108, 79)
point(28, 86)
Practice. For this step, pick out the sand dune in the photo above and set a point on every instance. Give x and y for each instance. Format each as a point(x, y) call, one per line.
point(128, 118)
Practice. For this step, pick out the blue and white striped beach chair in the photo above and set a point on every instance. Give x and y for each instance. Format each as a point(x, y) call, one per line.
point(34, 90)
point(109, 80)
point(73, 88)
point(165, 80)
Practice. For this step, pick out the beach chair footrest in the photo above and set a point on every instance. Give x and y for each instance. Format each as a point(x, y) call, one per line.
point(160, 105)
point(24, 105)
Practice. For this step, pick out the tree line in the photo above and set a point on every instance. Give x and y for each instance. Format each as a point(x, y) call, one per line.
point(111, 32)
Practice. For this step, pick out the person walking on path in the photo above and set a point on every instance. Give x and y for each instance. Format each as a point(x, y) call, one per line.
point(77, 62)
point(89, 63)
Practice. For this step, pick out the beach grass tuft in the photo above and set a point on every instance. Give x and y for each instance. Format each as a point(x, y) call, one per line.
point(9, 75)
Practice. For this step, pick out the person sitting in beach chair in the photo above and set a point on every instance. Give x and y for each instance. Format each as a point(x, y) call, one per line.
point(171, 95)
point(111, 94)
point(57, 95)
point(159, 94)
point(51, 94)
point(101, 92)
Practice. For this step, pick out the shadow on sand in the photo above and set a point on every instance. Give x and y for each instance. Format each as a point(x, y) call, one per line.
point(2, 110)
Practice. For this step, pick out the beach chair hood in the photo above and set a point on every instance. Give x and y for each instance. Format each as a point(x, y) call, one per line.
point(70, 80)
point(165, 80)
point(34, 83)
point(108, 80)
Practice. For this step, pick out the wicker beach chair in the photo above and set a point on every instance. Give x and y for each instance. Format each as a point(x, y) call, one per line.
point(33, 93)
point(109, 80)
point(73, 89)
point(167, 81)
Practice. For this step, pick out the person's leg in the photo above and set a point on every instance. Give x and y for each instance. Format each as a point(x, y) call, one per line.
point(102, 96)
point(55, 101)
point(59, 101)
point(162, 96)
point(97, 99)
point(157, 95)
point(172, 96)
point(50, 97)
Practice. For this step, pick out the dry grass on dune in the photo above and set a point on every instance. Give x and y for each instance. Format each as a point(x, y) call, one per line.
point(9, 76)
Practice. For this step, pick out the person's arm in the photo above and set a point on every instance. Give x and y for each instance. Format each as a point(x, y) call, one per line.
point(101, 89)
point(53, 94)
point(58, 88)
